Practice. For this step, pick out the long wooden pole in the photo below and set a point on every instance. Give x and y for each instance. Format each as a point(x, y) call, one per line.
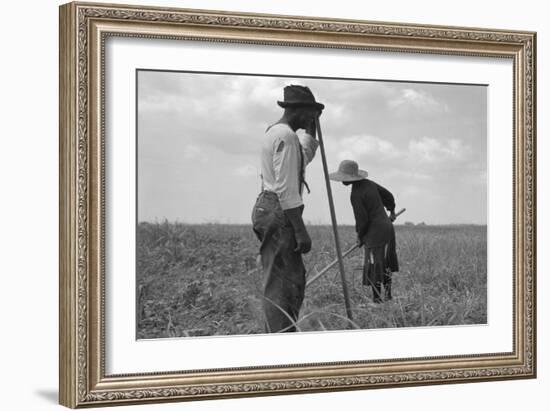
point(333, 218)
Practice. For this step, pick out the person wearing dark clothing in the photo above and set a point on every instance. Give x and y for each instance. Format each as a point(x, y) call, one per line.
point(373, 226)
point(277, 214)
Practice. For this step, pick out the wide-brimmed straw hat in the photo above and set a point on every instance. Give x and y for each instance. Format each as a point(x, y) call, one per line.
point(299, 96)
point(348, 171)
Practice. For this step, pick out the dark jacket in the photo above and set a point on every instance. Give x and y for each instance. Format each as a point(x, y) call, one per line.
point(372, 223)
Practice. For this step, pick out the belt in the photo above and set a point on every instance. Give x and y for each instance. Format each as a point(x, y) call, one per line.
point(268, 193)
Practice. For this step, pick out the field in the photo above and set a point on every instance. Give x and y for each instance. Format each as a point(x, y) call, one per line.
point(198, 280)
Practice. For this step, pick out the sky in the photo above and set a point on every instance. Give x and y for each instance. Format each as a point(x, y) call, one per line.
point(199, 140)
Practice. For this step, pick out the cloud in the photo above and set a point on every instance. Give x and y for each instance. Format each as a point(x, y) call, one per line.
point(354, 147)
point(215, 112)
point(191, 151)
point(421, 100)
point(409, 174)
point(247, 171)
point(416, 160)
point(427, 149)
point(437, 150)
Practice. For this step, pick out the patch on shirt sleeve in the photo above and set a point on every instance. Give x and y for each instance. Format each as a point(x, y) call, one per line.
point(281, 146)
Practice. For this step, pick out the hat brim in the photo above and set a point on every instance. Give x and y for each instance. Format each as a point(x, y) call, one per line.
point(343, 177)
point(285, 104)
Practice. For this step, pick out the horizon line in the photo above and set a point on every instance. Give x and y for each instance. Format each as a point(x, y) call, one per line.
point(306, 222)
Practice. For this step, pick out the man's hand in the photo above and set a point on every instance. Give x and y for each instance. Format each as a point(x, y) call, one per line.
point(359, 241)
point(392, 216)
point(311, 125)
point(303, 241)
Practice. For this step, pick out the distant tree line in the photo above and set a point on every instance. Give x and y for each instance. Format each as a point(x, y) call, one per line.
point(411, 224)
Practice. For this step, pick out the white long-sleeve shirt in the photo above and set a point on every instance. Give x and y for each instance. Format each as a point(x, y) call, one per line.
point(280, 163)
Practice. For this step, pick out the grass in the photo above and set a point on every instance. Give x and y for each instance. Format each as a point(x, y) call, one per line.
point(199, 280)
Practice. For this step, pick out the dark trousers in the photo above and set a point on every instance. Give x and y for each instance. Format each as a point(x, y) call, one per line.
point(283, 268)
point(377, 270)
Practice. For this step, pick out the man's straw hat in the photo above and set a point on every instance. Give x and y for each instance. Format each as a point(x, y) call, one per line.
point(348, 171)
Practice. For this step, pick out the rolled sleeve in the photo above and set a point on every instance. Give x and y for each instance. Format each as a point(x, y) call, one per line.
point(309, 147)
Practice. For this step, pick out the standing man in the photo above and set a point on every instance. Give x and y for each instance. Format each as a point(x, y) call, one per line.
point(277, 214)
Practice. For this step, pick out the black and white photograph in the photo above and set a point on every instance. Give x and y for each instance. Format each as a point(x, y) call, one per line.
point(275, 205)
point(255, 203)
point(237, 232)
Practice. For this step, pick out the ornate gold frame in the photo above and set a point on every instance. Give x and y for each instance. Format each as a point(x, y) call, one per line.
point(83, 30)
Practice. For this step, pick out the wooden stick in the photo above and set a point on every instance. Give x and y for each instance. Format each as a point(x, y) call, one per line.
point(332, 264)
point(333, 218)
point(349, 251)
